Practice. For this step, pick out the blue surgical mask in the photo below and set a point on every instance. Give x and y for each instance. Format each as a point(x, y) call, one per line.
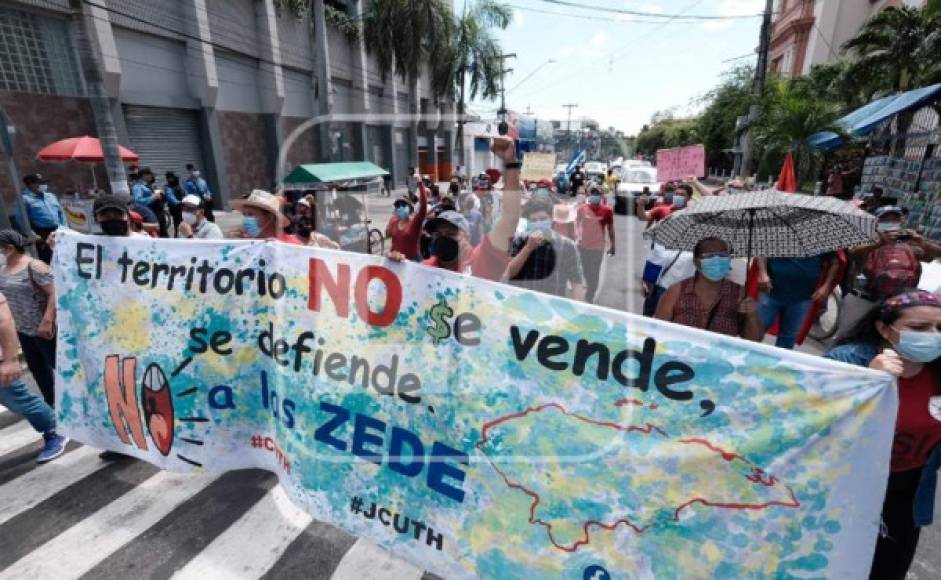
point(43, 188)
point(250, 225)
point(919, 347)
point(594, 200)
point(402, 212)
point(679, 201)
point(716, 268)
point(544, 226)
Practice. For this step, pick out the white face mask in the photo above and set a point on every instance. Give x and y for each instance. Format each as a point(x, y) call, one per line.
point(43, 188)
point(189, 218)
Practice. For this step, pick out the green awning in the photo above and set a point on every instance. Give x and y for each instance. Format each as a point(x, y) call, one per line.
point(311, 173)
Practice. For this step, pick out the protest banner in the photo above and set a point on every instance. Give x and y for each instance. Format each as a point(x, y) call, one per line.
point(470, 427)
point(538, 166)
point(681, 162)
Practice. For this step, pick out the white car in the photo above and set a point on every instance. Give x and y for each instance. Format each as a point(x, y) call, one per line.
point(633, 181)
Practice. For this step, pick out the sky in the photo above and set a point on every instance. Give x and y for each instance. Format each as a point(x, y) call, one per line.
point(620, 69)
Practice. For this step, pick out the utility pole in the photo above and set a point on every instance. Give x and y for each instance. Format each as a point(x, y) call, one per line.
point(758, 86)
point(568, 124)
point(503, 128)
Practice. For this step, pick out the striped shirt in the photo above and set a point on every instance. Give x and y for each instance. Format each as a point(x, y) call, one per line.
point(22, 295)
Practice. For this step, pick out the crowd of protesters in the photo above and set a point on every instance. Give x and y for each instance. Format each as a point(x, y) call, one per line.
point(552, 237)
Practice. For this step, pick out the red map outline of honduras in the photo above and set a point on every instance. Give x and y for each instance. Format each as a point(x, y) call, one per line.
point(569, 498)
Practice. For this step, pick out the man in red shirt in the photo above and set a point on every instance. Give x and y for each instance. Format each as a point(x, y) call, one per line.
point(450, 232)
point(592, 221)
point(262, 218)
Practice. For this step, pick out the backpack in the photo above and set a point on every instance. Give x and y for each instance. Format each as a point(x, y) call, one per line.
point(890, 269)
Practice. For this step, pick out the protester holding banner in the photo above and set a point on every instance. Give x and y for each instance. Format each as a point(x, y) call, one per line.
point(903, 337)
point(594, 219)
point(709, 300)
point(404, 228)
point(450, 232)
point(27, 284)
point(18, 398)
point(545, 261)
point(262, 217)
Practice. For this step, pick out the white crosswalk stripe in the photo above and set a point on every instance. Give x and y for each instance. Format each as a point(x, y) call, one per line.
point(81, 547)
point(28, 490)
point(253, 543)
point(18, 435)
point(367, 561)
point(119, 504)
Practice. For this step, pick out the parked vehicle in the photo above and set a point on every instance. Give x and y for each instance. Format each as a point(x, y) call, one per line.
point(633, 181)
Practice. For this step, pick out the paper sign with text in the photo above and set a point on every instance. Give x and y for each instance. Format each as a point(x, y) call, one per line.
point(475, 429)
point(681, 162)
point(538, 166)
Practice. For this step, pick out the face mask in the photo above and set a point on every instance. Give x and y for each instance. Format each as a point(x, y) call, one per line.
point(919, 347)
point(679, 201)
point(195, 174)
point(189, 218)
point(114, 227)
point(445, 249)
point(534, 226)
point(594, 199)
point(43, 188)
point(541, 193)
point(884, 227)
point(250, 225)
point(716, 268)
point(402, 212)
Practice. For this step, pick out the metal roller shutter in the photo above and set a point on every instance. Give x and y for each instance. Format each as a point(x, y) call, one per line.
point(165, 139)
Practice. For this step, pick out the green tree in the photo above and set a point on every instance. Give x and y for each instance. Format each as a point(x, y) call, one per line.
point(793, 112)
point(472, 62)
point(723, 106)
point(405, 35)
point(665, 132)
point(896, 50)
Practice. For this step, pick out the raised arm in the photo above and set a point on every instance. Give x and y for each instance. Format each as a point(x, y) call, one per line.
point(419, 220)
point(502, 232)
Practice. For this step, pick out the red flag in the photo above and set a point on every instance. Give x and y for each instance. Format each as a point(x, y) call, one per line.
point(787, 181)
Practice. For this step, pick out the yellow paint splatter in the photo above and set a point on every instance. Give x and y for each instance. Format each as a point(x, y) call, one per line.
point(131, 329)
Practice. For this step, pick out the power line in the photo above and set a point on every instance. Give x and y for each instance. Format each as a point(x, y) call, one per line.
point(628, 12)
point(589, 16)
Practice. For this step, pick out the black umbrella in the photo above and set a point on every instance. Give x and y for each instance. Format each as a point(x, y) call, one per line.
point(769, 224)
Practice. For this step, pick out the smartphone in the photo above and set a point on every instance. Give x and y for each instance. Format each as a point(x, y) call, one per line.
point(904, 236)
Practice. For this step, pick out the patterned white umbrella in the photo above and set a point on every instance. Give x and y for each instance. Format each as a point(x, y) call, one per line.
point(768, 223)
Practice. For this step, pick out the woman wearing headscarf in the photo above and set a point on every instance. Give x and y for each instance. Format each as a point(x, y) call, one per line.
point(902, 337)
point(27, 284)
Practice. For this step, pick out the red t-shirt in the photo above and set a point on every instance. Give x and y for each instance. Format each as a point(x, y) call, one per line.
point(593, 219)
point(407, 240)
point(289, 239)
point(916, 431)
point(485, 261)
point(660, 212)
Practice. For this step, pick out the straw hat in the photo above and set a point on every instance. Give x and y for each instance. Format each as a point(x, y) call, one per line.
point(261, 199)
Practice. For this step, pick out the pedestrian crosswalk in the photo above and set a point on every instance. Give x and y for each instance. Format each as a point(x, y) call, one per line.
point(84, 517)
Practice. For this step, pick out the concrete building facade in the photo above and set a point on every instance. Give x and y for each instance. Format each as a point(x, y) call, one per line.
point(811, 32)
point(219, 83)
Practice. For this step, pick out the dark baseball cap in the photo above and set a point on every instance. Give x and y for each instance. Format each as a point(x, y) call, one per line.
point(105, 202)
point(34, 178)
